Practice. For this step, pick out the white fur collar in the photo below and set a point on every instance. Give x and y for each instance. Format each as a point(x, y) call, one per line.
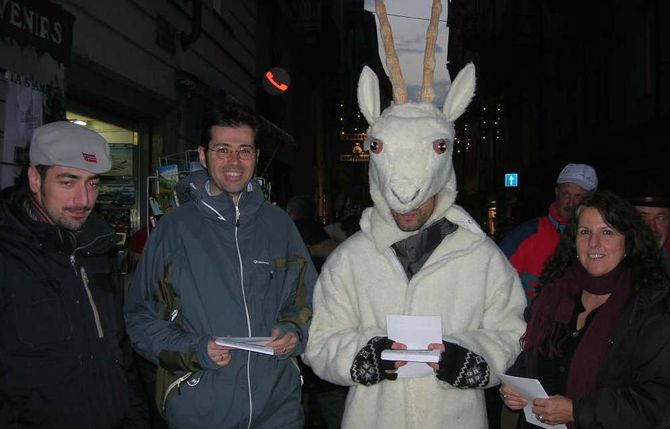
point(383, 231)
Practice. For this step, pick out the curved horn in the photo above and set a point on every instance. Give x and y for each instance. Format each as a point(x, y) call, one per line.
point(392, 61)
point(427, 91)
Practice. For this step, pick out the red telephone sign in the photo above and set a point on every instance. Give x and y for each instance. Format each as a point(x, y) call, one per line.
point(276, 81)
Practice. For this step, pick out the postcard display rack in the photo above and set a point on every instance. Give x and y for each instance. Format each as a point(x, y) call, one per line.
point(162, 188)
point(117, 197)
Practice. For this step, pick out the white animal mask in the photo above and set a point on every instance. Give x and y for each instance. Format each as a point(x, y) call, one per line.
point(411, 143)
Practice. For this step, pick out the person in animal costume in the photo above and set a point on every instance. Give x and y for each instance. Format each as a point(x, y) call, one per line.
point(417, 254)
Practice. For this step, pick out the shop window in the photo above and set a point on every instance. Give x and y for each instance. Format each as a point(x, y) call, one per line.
point(117, 201)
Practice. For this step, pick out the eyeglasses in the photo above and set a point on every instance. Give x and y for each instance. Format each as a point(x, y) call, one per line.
point(224, 152)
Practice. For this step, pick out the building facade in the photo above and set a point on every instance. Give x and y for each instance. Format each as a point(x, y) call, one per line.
point(139, 72)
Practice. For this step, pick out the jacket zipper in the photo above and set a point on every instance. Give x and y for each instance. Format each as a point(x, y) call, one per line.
point(246, 309)
point(177, 383)
point(395, 262)
point(84, 279)
point(172, 385)
point(244, 298)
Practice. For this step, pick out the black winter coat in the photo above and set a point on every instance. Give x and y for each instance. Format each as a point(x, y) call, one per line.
point(61, 363)
point(633, 382)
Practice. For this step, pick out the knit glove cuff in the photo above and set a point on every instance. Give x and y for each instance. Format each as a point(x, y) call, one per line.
point(368, 367)
point(462, 368)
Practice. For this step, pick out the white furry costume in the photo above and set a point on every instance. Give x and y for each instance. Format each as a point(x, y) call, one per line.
point(466, 280)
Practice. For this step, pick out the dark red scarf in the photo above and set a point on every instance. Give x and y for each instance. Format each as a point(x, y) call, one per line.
point(555, 306)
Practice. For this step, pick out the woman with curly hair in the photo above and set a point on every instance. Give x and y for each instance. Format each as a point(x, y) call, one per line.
point(598, 338)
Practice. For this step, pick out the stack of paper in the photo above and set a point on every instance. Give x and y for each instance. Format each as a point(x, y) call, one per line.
point(412, 355)
point(252, 344)
point(416, 332)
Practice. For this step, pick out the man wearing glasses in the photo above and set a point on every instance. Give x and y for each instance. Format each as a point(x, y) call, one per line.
point(225, 264)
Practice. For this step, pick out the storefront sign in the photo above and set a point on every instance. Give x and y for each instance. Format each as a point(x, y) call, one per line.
point(38, 23)
point(24, 81)
point(23, 113)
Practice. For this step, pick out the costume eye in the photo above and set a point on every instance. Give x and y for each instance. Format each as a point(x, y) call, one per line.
point(440, 146)
point(376, 146)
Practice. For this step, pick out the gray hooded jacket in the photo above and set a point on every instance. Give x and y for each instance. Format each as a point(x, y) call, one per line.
point(213, 269)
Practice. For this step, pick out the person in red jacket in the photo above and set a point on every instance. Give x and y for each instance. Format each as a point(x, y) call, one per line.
point(530, 244)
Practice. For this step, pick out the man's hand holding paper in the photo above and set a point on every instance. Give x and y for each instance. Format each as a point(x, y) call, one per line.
point(414, 333)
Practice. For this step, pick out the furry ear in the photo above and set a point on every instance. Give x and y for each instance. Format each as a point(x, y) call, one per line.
point(460, 93)
point(368, 95)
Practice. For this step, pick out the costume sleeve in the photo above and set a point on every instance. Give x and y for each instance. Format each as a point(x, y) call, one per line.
point(336, 335)
point(296, 312)
point(642, 394)
point(496, 339)
point(153, 313)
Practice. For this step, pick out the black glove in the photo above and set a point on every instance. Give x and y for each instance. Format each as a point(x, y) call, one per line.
point(368, 367)
point(462, 368)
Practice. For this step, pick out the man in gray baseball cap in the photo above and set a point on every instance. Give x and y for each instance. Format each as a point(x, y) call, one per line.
point(65, 161)
point(61, 329)
point(70, 145)
point(529, 245)
point(574, 183)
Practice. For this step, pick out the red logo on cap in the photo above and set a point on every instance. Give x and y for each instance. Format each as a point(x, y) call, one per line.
point(89, 157)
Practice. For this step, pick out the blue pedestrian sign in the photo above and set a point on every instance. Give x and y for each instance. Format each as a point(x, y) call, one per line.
point(511, 180)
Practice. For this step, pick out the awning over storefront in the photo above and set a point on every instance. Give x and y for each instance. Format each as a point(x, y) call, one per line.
point(38, 23)
point(276, 132)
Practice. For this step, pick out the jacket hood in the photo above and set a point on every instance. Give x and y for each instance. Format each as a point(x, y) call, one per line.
point(221, 206)
point(383, 230)
point(411, 145)
point(408, 170)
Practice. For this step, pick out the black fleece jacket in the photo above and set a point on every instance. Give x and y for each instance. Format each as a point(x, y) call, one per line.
point(633, 382)
point(61, 330)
